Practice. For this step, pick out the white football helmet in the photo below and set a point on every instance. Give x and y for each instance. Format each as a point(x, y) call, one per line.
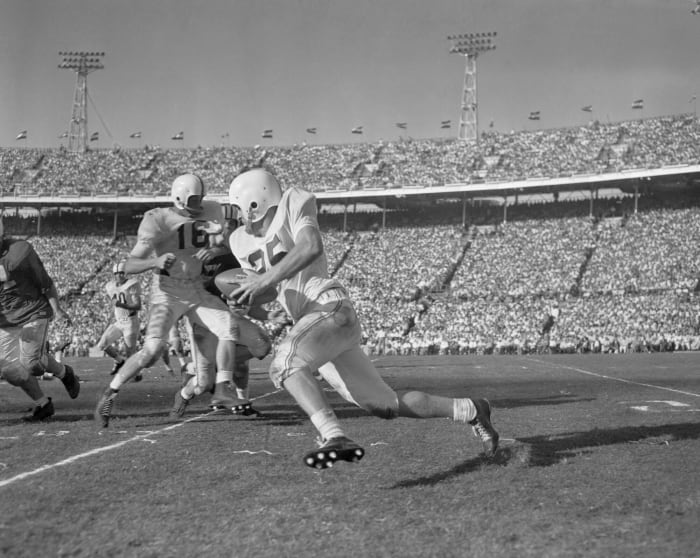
point(253, 193)
point(187, 193)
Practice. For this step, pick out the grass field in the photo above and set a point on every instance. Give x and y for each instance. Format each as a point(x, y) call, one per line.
point(600, 456)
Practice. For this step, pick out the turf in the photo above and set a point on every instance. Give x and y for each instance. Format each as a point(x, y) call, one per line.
point(599, 457)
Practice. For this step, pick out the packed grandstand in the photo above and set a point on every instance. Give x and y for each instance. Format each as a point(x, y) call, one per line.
point(437, 278)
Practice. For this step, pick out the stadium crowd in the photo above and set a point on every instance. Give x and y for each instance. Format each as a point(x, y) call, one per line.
point(591, 149)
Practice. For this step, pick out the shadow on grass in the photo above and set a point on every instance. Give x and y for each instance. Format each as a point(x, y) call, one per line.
point(469, 466)
point(548, 450)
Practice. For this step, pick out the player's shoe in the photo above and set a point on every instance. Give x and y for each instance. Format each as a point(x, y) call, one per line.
point(117, 365)
point(103, 411)
point(224, 398)
point(482, 427)
point(332, 450)
point(41, 413)
point(179, 406)
point(71, 382)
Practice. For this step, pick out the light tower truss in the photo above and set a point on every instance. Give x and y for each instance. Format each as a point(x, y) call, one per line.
point(470, 45)
point(82, 63)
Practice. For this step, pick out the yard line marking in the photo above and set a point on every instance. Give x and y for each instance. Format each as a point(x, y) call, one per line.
point(97, 451)
point(588, 372)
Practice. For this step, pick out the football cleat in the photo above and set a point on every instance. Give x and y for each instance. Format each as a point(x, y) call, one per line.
point(482, 427)
point(117, 365)
point(41, 413)
point(179, 406)
point(246, 411)
point(71, 382)
point(103, 411)
point(332, 450)
point(225, 398)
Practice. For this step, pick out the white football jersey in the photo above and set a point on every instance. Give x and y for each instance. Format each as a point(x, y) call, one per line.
point(165, 229)
point(296, 210)
point(127, 293)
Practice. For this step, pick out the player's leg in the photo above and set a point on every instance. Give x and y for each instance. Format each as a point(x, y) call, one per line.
point(215, 316)
point(106, 344)
point(253, 341)
point(17, 375)
point(315, 339)
point(164, 311)
point(354, 376)
point(34, 357)
point(203, 345)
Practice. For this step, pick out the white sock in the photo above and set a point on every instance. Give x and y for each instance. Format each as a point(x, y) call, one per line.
point(464, 410)
point(224, 376)
point(327, 424)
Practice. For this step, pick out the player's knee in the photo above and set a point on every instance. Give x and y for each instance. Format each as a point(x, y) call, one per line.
point(13, 373)
point(261, 348)
point(34, 364)
point(381, 409)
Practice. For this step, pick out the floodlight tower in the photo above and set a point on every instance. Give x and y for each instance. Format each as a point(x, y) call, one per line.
point(470, 45)
point(82, 63)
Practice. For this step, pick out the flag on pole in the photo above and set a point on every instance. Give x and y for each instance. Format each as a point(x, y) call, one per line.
point(311, 130)
point(587, 108)
point(534, 115)
point(638, 104)
point(357, 130)
point(22, 135)
point(94, 136)
point(179, 136)
point(402, 125)
point(267, 134)
point(135, 135)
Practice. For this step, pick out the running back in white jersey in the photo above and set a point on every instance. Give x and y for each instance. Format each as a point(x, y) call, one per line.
point(128, 293)
point(296, 210)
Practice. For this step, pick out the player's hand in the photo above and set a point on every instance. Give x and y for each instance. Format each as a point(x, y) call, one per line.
point(237, 308)
point(204, 255)
point(250, 287)
point(166, 261)
point(61, 315)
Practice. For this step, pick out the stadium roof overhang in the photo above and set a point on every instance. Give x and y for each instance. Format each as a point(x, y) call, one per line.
point(679, 176)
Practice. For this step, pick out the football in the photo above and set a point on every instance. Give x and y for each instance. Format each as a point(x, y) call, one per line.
point(229, 280)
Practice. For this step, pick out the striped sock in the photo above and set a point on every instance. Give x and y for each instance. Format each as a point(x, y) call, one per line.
point(463, 410)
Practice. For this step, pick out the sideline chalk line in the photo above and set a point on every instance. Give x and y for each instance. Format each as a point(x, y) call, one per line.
point(103, 449)
point(606, 377)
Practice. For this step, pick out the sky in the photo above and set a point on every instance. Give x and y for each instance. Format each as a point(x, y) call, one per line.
point(222, 71)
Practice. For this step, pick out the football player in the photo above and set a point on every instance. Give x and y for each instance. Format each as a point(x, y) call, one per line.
point(125, 295)
point(174, 243)
point(281, 240)
point(253, 341)
point(28, 301)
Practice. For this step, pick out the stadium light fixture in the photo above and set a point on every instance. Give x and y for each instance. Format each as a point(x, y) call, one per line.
point(82, 63)
point(470, 45)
